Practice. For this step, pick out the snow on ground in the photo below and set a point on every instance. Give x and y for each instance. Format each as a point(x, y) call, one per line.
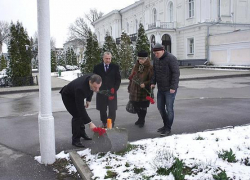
point(67, 75)
point(198, 151)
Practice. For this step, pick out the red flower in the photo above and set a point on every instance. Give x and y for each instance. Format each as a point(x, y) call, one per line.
point(111, 98)
point(152, 101)
point(131, 76)
point(112, 91)
point(99, 130)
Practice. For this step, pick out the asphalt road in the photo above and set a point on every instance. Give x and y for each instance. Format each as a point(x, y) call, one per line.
point(199, 106)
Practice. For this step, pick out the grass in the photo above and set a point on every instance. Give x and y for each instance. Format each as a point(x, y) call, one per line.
point(229, 156)
point(63, 173)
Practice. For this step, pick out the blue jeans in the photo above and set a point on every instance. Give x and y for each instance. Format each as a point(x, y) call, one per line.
point(165, 104)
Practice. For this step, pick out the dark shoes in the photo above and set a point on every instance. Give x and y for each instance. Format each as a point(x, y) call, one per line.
point(104, 125)
point(165, 132)
point(160, 129)
point(137, 122)
point(85, 136)
point(141, 125)
point(78, 144)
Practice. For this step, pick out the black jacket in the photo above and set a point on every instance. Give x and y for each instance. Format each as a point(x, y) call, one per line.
point(110, 79)
point(78, 90)
point(166, 72)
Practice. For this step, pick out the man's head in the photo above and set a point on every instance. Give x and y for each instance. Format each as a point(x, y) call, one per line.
point(95, 82)
point(158, 50)
point(107, 56)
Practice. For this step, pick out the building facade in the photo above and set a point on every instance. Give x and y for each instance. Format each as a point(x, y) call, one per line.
point(77, 47)
point(184, 27)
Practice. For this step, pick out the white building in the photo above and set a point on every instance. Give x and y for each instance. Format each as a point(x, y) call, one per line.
point(77, 47)
point(184, 27)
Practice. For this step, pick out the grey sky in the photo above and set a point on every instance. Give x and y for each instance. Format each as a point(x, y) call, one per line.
point(62, 13)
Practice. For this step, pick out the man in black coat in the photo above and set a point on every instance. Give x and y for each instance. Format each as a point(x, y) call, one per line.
point(166, 76)
point(111, 78)
point(73, 96)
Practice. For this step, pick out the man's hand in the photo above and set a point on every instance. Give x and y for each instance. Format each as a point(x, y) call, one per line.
point(87, 104)
point(152, 86)
point(172, 91)
point(91, 125)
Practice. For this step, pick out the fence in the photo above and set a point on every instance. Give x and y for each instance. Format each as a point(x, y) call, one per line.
point(18, 81)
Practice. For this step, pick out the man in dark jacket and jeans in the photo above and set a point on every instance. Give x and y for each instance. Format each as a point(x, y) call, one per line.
point(166, 76)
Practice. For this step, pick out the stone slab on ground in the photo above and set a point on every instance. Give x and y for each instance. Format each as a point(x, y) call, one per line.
point(114, 140)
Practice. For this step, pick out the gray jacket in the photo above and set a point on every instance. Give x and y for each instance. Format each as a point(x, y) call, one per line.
point(166, 72)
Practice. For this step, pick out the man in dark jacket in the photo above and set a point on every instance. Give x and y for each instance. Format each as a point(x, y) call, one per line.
point(73, 96)
point(166, 76)
point(111, 78)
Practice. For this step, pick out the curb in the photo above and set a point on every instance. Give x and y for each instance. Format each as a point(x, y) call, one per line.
point(215, 77)
point(81, 166)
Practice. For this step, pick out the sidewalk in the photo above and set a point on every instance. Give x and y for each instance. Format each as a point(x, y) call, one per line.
point(185, 74)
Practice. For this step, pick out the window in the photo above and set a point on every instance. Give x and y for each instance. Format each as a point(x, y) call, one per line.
point(191, 8)
point(136, 26)
point(170, 12)
point(127, 28)
point(154, 15)
point(190, 44)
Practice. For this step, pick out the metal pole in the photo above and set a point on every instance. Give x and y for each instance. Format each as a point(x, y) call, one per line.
point(45, 117)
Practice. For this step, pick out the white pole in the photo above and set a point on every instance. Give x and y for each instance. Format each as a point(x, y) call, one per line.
point(45, 117)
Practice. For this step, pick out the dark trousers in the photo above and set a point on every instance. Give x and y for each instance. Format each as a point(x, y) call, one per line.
point(111, 115)
point(141, 112)
point(77, 122)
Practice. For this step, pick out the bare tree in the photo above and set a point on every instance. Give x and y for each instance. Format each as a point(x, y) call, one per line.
point(35, 41)
point(4, 33)
point(93, 15)
point(78, 30)
point(52, 43)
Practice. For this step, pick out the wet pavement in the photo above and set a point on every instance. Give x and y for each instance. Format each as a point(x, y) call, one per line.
point(200, 105)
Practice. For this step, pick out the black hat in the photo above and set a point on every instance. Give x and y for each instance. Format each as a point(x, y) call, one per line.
point(142, 53)
point(158, 47)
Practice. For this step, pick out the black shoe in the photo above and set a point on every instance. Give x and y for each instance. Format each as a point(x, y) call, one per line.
point(78, 144)
point(104, 125)
point(160, 129)
point(141, 125)
point(85, 136)
point(137, 122)
point(165, 132)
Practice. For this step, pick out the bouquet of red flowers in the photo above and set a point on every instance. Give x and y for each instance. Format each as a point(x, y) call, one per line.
point(99, 130)
point(137, 81)
point(110, 93)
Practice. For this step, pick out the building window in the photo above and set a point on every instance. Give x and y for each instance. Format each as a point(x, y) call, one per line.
point(136, 26)
point(170, 12)
point(154, 15)
point(190, 45)
point(191, 8)
point(127, 28)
